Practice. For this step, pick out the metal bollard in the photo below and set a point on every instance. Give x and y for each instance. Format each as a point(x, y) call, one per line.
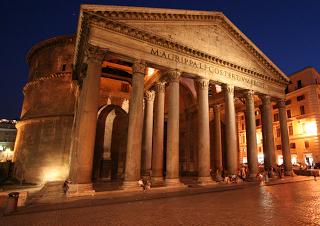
point(12, 203)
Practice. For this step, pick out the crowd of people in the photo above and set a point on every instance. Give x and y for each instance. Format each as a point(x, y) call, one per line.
point(242, 173)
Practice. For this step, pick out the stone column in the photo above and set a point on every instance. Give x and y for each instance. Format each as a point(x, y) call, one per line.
point(251, 134)
point(133, 157)
point(284, 137)
point(172, 165)
point(158, 133)
point(86, 122)
point(267, 132)
point(217, 138)
point(231, 132)
point(146, 152)
point(203, 131)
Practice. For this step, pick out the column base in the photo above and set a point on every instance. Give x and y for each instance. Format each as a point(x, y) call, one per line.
point(130, 185)
point(173, 183)
point(205, 180)
point(145, 178)
point(157, 180)
point(80, 190)
point(145, 173)
point(287, 172)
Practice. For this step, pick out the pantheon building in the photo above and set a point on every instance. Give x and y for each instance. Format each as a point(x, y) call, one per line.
point(147, 93)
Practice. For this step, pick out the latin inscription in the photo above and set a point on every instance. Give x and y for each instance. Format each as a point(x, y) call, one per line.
point(206, 67)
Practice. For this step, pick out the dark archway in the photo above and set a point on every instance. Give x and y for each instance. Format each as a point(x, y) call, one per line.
point(111, 143)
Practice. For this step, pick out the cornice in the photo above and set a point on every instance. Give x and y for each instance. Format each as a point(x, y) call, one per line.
point(111, 20)
point(82, 38)
point(301, 91)
point(66, 39)
point(37, 80)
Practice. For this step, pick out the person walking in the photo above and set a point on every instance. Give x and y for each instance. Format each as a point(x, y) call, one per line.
point(315, 175)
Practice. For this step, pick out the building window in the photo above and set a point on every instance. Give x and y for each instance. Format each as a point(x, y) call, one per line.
point(289, 113)
point(299, 84)
point(304, 127)
point(287, 89)
point(279, 147)
point(256, 112)
point(242, 117)
point(318, 96)
point(306, 144)
point(6, 139)
point(242, 126)
point(299, 98)
point(64, 67)
point(278, 132)
point(260, 149)
point(7, 133)
point(276, 117)
point(288, 102)
point(290, 130)
point(258, 122)
point(302, 112)
point(275, 106)
point(124, 87)
point(243, 139)
point(292, 145)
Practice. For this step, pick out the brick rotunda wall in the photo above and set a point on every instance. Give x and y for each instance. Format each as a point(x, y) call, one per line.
point(43, 141)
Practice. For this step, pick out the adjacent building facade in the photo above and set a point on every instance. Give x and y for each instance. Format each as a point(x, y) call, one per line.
point(302, 109)
point(145, 92)
point(8, 133)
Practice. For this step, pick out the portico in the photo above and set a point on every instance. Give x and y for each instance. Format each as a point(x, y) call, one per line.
point(174, 141)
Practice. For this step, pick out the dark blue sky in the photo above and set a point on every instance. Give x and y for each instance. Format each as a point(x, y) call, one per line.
point(287, 31)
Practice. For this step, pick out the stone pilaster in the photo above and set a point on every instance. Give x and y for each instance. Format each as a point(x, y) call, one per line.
point(146, 152)
point(172, 166)
point(133, 157)
point(158, 133)
point(231, 132)
point(217, 138)
point(82, 149)
point(267, 132)
point(284, 137)
point(203, 131)
point(251, 134)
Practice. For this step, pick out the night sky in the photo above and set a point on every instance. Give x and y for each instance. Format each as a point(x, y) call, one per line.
point(286, 31)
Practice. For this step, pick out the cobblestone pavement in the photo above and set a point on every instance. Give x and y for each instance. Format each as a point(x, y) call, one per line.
point(283, 202)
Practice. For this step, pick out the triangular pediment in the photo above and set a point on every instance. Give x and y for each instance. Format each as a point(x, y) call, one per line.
point(204, 34)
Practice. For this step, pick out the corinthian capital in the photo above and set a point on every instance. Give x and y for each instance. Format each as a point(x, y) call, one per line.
point(281, 103)
point(228, 89)
point(216, 107)
point(266, 99)
point(160, 87)
point(95, 53)
point(174, 75)
point(149, 95)
point(202, 83)
point(249, 94)
point(139, 66)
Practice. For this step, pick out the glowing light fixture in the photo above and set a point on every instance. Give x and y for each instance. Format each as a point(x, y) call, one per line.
point(311, 127)
point(150, 71)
